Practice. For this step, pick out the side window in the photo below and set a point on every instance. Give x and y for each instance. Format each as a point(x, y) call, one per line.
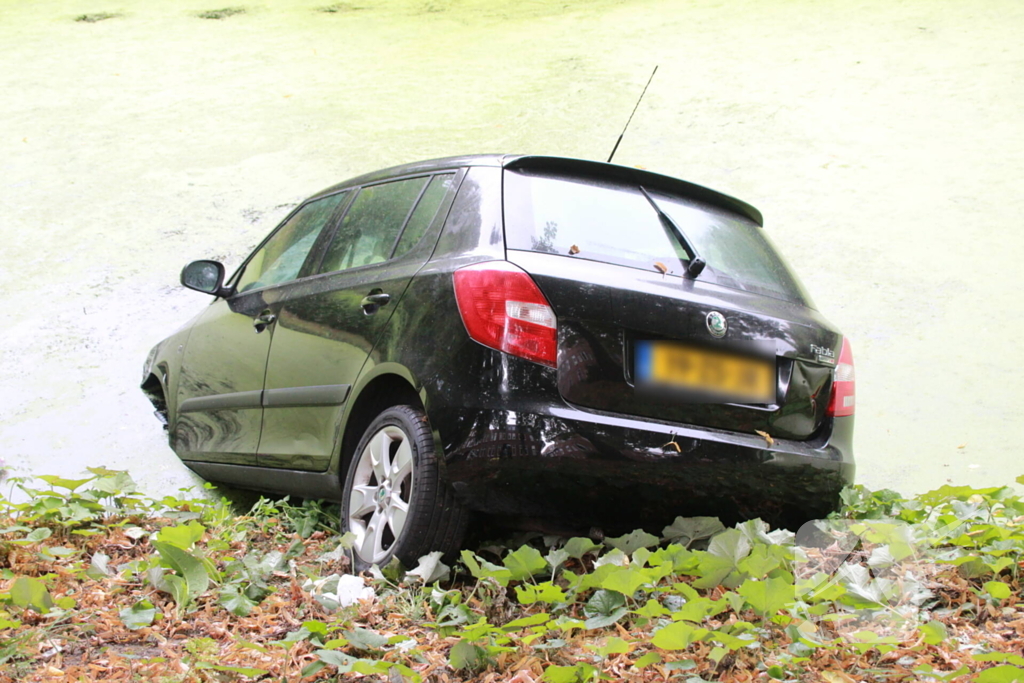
point(367, 233)
point(423, 214)
point(281, 258)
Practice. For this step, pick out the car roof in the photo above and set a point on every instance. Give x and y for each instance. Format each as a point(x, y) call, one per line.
point(567, 165)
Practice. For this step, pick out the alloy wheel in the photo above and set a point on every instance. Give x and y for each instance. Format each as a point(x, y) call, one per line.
point(381, 492)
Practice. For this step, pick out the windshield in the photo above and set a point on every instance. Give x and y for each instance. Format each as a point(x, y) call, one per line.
point(605, 221)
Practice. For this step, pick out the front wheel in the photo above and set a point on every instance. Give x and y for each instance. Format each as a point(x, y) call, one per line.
point(396, 502)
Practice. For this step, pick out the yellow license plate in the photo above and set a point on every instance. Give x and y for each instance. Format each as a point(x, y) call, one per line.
point(707, 373)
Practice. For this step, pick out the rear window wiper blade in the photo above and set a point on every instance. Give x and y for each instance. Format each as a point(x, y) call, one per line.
point(696, 264)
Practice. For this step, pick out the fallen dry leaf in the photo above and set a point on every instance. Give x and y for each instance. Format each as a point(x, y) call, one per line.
point(766, 436)
point(660, 267)
point(672, 444)
point(573, 250)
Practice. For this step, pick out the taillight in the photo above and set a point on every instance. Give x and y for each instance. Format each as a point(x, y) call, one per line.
point(502, 308)
point(841, 404)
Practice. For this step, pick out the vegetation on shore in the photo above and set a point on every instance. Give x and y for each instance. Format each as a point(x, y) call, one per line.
point(100, 582)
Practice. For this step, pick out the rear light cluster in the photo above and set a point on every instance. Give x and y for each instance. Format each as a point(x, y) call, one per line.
point(502, 307)
point(842, 402)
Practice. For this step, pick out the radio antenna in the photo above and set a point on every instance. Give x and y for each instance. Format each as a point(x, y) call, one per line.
point(616, 147)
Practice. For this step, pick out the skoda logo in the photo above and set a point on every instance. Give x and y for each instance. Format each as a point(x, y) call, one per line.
point(716, 324)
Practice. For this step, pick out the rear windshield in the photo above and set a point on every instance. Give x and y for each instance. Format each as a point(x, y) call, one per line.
point(601, 220)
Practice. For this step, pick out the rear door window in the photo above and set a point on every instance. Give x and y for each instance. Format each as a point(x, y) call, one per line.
point(371, 226)
point(424, 213)
point(613, 222)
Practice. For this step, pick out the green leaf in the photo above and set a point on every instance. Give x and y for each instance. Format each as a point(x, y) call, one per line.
point(605, 620)
point(934, 632)
point(466, 655)
point(569, 674)
point(769, 596)
point(677, 636)
point(526, 622)
point(731, 545)
point(556, 558)
point(998, 590)
point(98, 568)
point(626, 581)
point(233, 599)
point(1001, 674)
point(603, 602)
point(482, 569)
point(613, 646)
point(139, 615)
point(647, 660)
point(365, 639)
point(543, 592)
point(31, 593)
point(524, 563)
point(1006, 657)
point(61, 483)
point(183, 536)
point(686, 530)
point(189, 568)
point(633, 541)
point(578, 547)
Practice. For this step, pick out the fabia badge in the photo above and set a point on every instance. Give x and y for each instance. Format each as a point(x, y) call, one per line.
point(716, 324)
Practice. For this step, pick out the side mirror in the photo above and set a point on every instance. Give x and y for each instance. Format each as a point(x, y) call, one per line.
point(206, 277)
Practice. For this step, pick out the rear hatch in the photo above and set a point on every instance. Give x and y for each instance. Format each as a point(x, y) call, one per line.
point(613, 250)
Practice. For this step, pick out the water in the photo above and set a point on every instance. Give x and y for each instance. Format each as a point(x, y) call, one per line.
point(881, 140)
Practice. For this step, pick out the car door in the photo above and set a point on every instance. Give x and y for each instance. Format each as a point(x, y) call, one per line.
point(327, 325)
point(220, 395)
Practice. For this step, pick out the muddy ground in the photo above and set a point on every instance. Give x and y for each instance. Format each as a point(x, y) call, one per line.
point(882, 140)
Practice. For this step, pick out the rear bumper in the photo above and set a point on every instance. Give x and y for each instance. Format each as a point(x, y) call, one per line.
point(593, 469)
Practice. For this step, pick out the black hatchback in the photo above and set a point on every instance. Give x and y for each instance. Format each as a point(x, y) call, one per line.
point(547, 340)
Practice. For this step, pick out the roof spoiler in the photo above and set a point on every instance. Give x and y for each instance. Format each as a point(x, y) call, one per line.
point(647, 179)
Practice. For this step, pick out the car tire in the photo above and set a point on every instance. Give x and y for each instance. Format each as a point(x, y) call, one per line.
point(399, 505)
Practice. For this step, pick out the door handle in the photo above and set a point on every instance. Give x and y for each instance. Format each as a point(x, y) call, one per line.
point(372, 302)
point(263, 321)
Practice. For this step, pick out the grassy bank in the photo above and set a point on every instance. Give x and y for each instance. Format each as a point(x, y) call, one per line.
point(100, 582)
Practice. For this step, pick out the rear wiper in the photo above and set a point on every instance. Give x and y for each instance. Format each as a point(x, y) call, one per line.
point(696, 264)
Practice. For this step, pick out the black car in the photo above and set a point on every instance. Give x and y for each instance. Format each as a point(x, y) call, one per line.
point(542, 339)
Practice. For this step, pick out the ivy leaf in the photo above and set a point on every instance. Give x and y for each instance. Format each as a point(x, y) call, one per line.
point(732, 545)
point(98, 568)
point(934, 632)
point(466, 655)
point(1001, 674)
point(61, 483)
point(139, 615)
point(31, 593)
point(605, 620)
point(647, 660)
point(524, 563)
point(686, 530)
point(365, 639)
point(997, 589)
point(677, 636)
point(633, 541)
point(183, 536)
point(234, 600)
point(556, 558)
point(190, 569)
point(431, 568)
point(626, 581)
point(578, 547)
point(542, 592)
point(482, 569)
point(769, 596)
point(603, 602)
